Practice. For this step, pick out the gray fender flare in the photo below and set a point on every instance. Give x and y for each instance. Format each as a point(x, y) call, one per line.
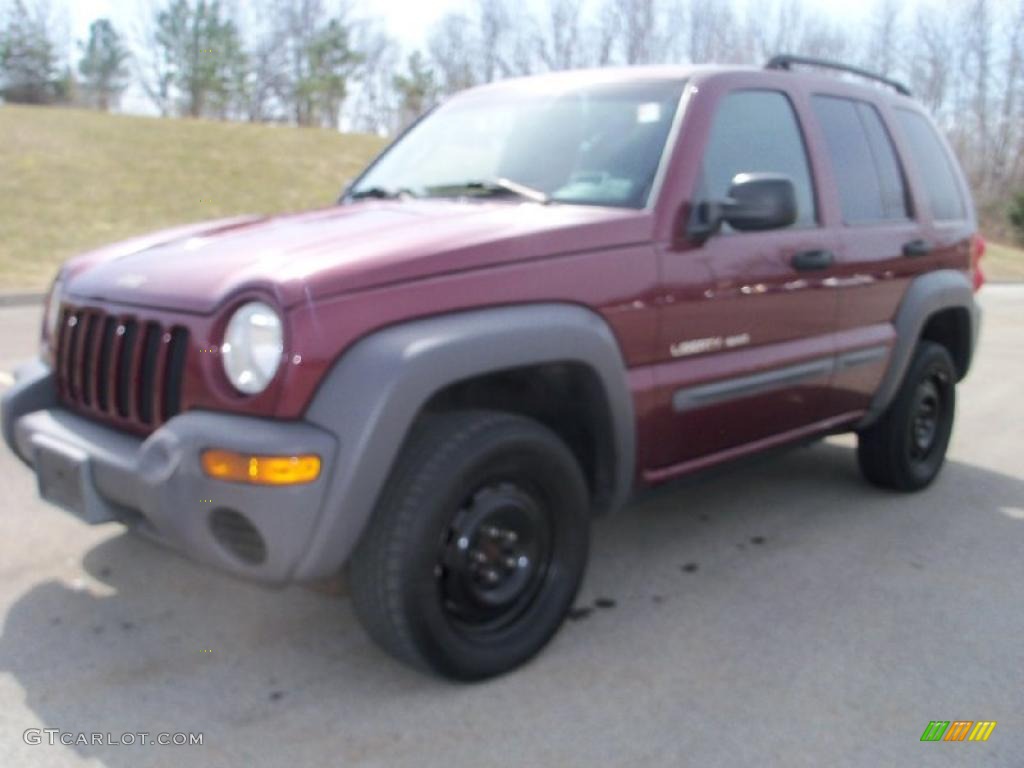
point(371, 396)
point(927, 294)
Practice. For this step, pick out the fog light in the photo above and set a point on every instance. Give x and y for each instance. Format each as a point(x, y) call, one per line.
point(261, 470)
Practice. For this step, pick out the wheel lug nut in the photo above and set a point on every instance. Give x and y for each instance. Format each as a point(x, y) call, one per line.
point(511, 563)
point(491, 531)
point(509, 537)
point(478, 556)
point(491, 576)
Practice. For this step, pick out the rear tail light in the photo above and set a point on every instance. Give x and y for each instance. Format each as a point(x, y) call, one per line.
point(977, 251)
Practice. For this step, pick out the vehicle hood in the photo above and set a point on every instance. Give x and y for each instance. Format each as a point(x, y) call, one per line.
point(301, 257)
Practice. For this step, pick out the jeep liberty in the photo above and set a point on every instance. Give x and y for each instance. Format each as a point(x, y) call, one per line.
point(547, 294)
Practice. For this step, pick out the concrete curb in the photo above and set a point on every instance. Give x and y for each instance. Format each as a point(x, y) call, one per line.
point(21, 299)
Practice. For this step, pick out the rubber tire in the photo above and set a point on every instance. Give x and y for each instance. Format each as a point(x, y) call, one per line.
point(394, 590)
point(883, 449)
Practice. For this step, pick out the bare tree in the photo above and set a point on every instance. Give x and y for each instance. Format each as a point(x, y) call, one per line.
point(453, 51)
point(1014, 110)
point(560, 43)
point(1007, 135)
point(152, 63)
point(495, 27)
point(633, 24)
point(933, 59)
point(974, 140)
point(884, 37)
point(605, 34)
point(710, 31)
point(374, 108)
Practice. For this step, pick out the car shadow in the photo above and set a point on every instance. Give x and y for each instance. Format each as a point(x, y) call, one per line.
point(145, 641)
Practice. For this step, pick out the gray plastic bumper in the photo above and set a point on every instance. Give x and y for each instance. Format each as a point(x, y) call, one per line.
point(157, 484)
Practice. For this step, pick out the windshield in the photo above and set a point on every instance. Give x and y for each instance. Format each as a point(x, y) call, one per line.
point(596, 145)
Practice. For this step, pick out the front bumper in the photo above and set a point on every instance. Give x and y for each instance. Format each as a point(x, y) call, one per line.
point(157, 485)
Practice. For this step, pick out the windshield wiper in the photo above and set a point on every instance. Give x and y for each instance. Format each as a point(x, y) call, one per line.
point(381, 193)
point(498, 186)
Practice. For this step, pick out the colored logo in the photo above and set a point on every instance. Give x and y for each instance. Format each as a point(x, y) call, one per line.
point(958, 730)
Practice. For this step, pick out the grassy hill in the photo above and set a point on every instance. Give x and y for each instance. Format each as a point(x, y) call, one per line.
point(71, 179)
point(1003, 262)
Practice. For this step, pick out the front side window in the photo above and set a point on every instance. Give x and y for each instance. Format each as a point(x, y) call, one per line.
point(757, 132)
point(597, 145)
point(934, 166)
point(864, 162)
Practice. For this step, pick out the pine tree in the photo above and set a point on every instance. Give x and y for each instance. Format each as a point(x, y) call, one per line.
point(104, 64)
point(30, 67)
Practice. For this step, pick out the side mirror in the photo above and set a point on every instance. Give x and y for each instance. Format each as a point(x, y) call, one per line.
point(756, 202)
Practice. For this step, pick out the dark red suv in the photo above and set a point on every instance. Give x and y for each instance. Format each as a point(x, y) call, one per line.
point(546, 294)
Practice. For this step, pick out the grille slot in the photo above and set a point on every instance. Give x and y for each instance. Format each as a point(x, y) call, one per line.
point(88, 357)
point(125, 360)
point(103, 365)
point(174, 373)
point(146, 393)
point(120, 368)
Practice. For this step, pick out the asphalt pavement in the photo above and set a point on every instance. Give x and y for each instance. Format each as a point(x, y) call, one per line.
point(779, 613)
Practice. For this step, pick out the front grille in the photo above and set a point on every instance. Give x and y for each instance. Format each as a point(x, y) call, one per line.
point(120, 367)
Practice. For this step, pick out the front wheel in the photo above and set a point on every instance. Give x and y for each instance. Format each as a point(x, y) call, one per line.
point(477, 546)
point(904, 450)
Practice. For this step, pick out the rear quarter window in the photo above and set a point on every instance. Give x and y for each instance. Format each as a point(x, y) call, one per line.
point(864, 162)
point(933, 164)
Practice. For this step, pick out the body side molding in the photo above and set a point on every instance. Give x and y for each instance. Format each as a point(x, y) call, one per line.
point(372, 394)
point(738, 387)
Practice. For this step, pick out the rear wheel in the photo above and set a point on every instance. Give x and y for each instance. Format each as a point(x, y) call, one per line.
point(906, 447)
point(477, 547)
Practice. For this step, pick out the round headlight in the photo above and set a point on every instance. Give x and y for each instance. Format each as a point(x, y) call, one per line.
point(253, 342)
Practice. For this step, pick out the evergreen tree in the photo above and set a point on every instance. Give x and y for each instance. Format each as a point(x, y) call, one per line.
point(1017, 216)
point(203, 53)
point(104, 66)
point(30, 67)
point(416, 89)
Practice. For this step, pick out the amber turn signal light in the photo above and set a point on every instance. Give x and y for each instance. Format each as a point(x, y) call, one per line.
point(260, 470)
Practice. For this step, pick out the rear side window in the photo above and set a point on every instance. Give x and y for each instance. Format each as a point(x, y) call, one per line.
point(757, 132)
point(864, 162)
point(934, 166)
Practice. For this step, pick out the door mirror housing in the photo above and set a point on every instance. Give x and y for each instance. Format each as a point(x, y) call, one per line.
point(756, 202)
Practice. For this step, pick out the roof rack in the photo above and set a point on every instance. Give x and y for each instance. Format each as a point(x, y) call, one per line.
point(785, 61)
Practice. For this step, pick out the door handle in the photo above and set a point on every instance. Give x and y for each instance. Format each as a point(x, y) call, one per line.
point(916, 248)
point(808, 260)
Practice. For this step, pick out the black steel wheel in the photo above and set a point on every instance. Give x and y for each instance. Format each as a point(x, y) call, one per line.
point(906, 447)
point(477, 547)
point(494, 556)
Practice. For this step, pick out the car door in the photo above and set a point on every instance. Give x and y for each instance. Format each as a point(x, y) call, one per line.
point(746, 318)
point(882, 244)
